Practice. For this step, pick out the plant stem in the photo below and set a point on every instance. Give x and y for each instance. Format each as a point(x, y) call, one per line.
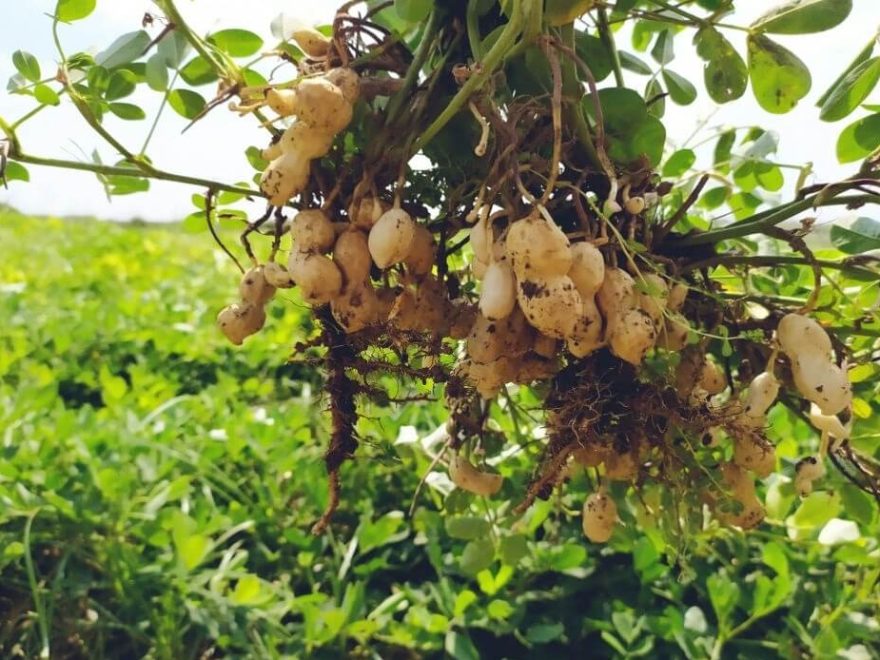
point(39, 606)
point(18, 122)
point(757, 223)
point(415, 67)
point(774, 261)
point(154, 173)
point(173, 14)
point(492, 60)
point(608, 40)
point(159, 113)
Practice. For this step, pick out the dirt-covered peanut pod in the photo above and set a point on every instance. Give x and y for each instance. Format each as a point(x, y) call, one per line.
point(829, 424)
point(742, 487)
point(422, 306)
point(352, 255)
point(357, 307)
point(312, 231)
point(674, 333)
point(806, 471)
point(755, 454)
point(588, 331)
point(239, 321)
point(712, 378)
point(311, 42)
point(347, 80)
point(422, 252)
point(538, 248)
point(489, 340)
point(467, 477)
point(284, 178)
point(633, 337)
point(317, 277)
point(821, 381)
point(498, 295)
point(552, 306)
point(489, 378)
point(615, 297)
point(799, 334)
point(366, 212)
point(302, 140)
point(277, 275)
point(599, 517)
point(316, 102)
point(544, 346)
point(761, 394)
point(622, 466)
point(653, 296)
point(677, 295)
point(253, 287)
point(391, 238)
point(587, 269)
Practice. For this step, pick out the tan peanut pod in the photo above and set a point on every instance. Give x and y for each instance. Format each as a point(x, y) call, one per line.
point(317, 277)
point(312, 231)
point(538, 248)
point(464, 475)
point(551, 306)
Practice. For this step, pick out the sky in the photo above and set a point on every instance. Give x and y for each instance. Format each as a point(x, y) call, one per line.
point(214, 147)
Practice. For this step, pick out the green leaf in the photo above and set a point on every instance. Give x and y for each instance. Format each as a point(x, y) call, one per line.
point(192, 550)
point(723, 594)
point(127, 111)
point(126, 185)
point(16, 172)
point(591, 49)
point(463, 600)
point(460, 647)
point(857, 504)
point(27, 65)
point(723, 150)
point(714, 197)
point(413, 11)
point(477, 556)
point(663, 52)
point(633, 133)
point(247, 590)
point(769, 176)
point(156, 73)
point(779, 78)
point(467, 527)
point(725, 73)
point(74, 10)
point(679, 163)
point(542, 633)
point(513, 548)
point(46, 95)
point(804, 16)
point(500, 609)
point(125, 49)
point(121, 84)
point(862, 236)
point(632, 63)
point(681, 91)
point(383, 531)
point(655, 97)
point(859, 139)
point(851, 91)
point(173, 48)
point(186, 103)
point(815, 510)
point(861, 57)
point(198, 71)
point(236, 42)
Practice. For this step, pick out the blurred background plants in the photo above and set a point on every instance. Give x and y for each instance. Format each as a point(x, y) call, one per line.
point(157, 487)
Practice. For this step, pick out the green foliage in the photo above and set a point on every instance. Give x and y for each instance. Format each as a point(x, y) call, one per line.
point(167, 481)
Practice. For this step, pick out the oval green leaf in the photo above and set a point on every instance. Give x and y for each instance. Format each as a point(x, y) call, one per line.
point(851, 91)
point(859, 139)
point(198, 71)
point(127, 111)
point(156, 73)
point(861, 236)
point(413, 10)
point(725, 73)
point(681, 91)
point(186, 103)
point(27, 65)
point(679, 163)
point(121, 84)
point(74, 10)
point(236, 42)
point(804, 16)
point(779, 78)
point(125, 49)
point(46, 95)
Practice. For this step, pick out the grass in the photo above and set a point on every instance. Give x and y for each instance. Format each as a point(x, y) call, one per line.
point(157, 486)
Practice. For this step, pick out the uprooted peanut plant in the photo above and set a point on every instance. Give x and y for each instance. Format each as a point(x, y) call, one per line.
point(464, 197)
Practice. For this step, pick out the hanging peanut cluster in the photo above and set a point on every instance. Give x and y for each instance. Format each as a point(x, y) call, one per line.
point(621, 346)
